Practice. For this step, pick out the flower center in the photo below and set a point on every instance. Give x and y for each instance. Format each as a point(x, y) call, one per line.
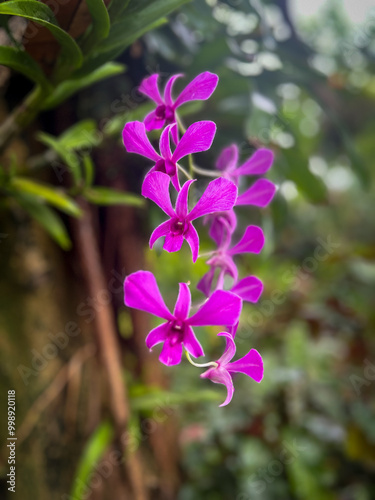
point(178, 227)
point(163, 112)
point(176, 334)
point(166, 166)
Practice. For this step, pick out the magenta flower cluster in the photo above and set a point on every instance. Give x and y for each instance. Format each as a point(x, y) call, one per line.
point(217, 207)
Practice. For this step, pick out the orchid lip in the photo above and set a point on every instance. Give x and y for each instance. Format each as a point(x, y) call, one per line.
point(179, 227)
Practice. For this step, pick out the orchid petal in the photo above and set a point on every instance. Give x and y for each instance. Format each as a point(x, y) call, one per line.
point(171, 353)
point(230, 349)
point(257, 164)
point(173, 243)
point(175, 181)
point(149, 87)
point(136, 140)
point(222, 227)
point(181, 207)
point(201, 88)
point(198, 137)
point(156, 188)
point(192, 238)
point(249, 289)
point(259, 194)
point(222, 308)
point(219, 196)
point(251, 365)
point(168, 89)
point(233, 329)
point(157, 335)
point(183, 302)
point(205, 284)
point(251, 242)
point(153, 122)
point(164, 144)
point(191, 343)
point(160, 231)
point(221, 376)
point(228, 158)
point(141, 292)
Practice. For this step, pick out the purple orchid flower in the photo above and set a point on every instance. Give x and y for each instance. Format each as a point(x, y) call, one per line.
point(201, 88)
point(219, 195)
point(251, 365)
point(141, 292)
point(259, 163)
point(222, 225)
point(222, 259)
point(198, 137)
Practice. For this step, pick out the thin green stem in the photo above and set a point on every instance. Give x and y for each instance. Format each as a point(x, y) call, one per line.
point(184, 172)
point(201, 365)
point(206, 173)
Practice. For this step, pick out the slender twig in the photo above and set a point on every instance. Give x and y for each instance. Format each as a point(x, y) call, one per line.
point(106, 336)
point(53, 390)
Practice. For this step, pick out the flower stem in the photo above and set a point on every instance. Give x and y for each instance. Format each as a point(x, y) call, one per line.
point(206, 173)
point(184, 171)
point(200, 365)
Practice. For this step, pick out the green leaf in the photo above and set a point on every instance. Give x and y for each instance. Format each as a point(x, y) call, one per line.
point(93, 452)
point(157, 398)
point(59, 199)
point(68, 156)
point(115, 125)
point(43, 15)
point(99, 58)
point(81, 135)
point(89, 170)
point(139, 17)
point(48, 219)
point(78, 82)
point(116, 8)
point(100, 19)
point(106, 196)
point(23, 63)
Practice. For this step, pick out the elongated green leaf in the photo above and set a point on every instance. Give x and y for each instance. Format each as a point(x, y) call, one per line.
point(94, 450)
point(43, 15)
point(138, 18)
point(100, 19)
point(23, 63)
point(116, 124)
point(70, 87)
point(89, 170)
point(68, 156)
point(106, 196)
point(57, 198)
point(162, 399)
point(81, 135)
point(48, 219)
point(116, 8)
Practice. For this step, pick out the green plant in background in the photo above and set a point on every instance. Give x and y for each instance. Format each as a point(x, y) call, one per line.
point(80, 63)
